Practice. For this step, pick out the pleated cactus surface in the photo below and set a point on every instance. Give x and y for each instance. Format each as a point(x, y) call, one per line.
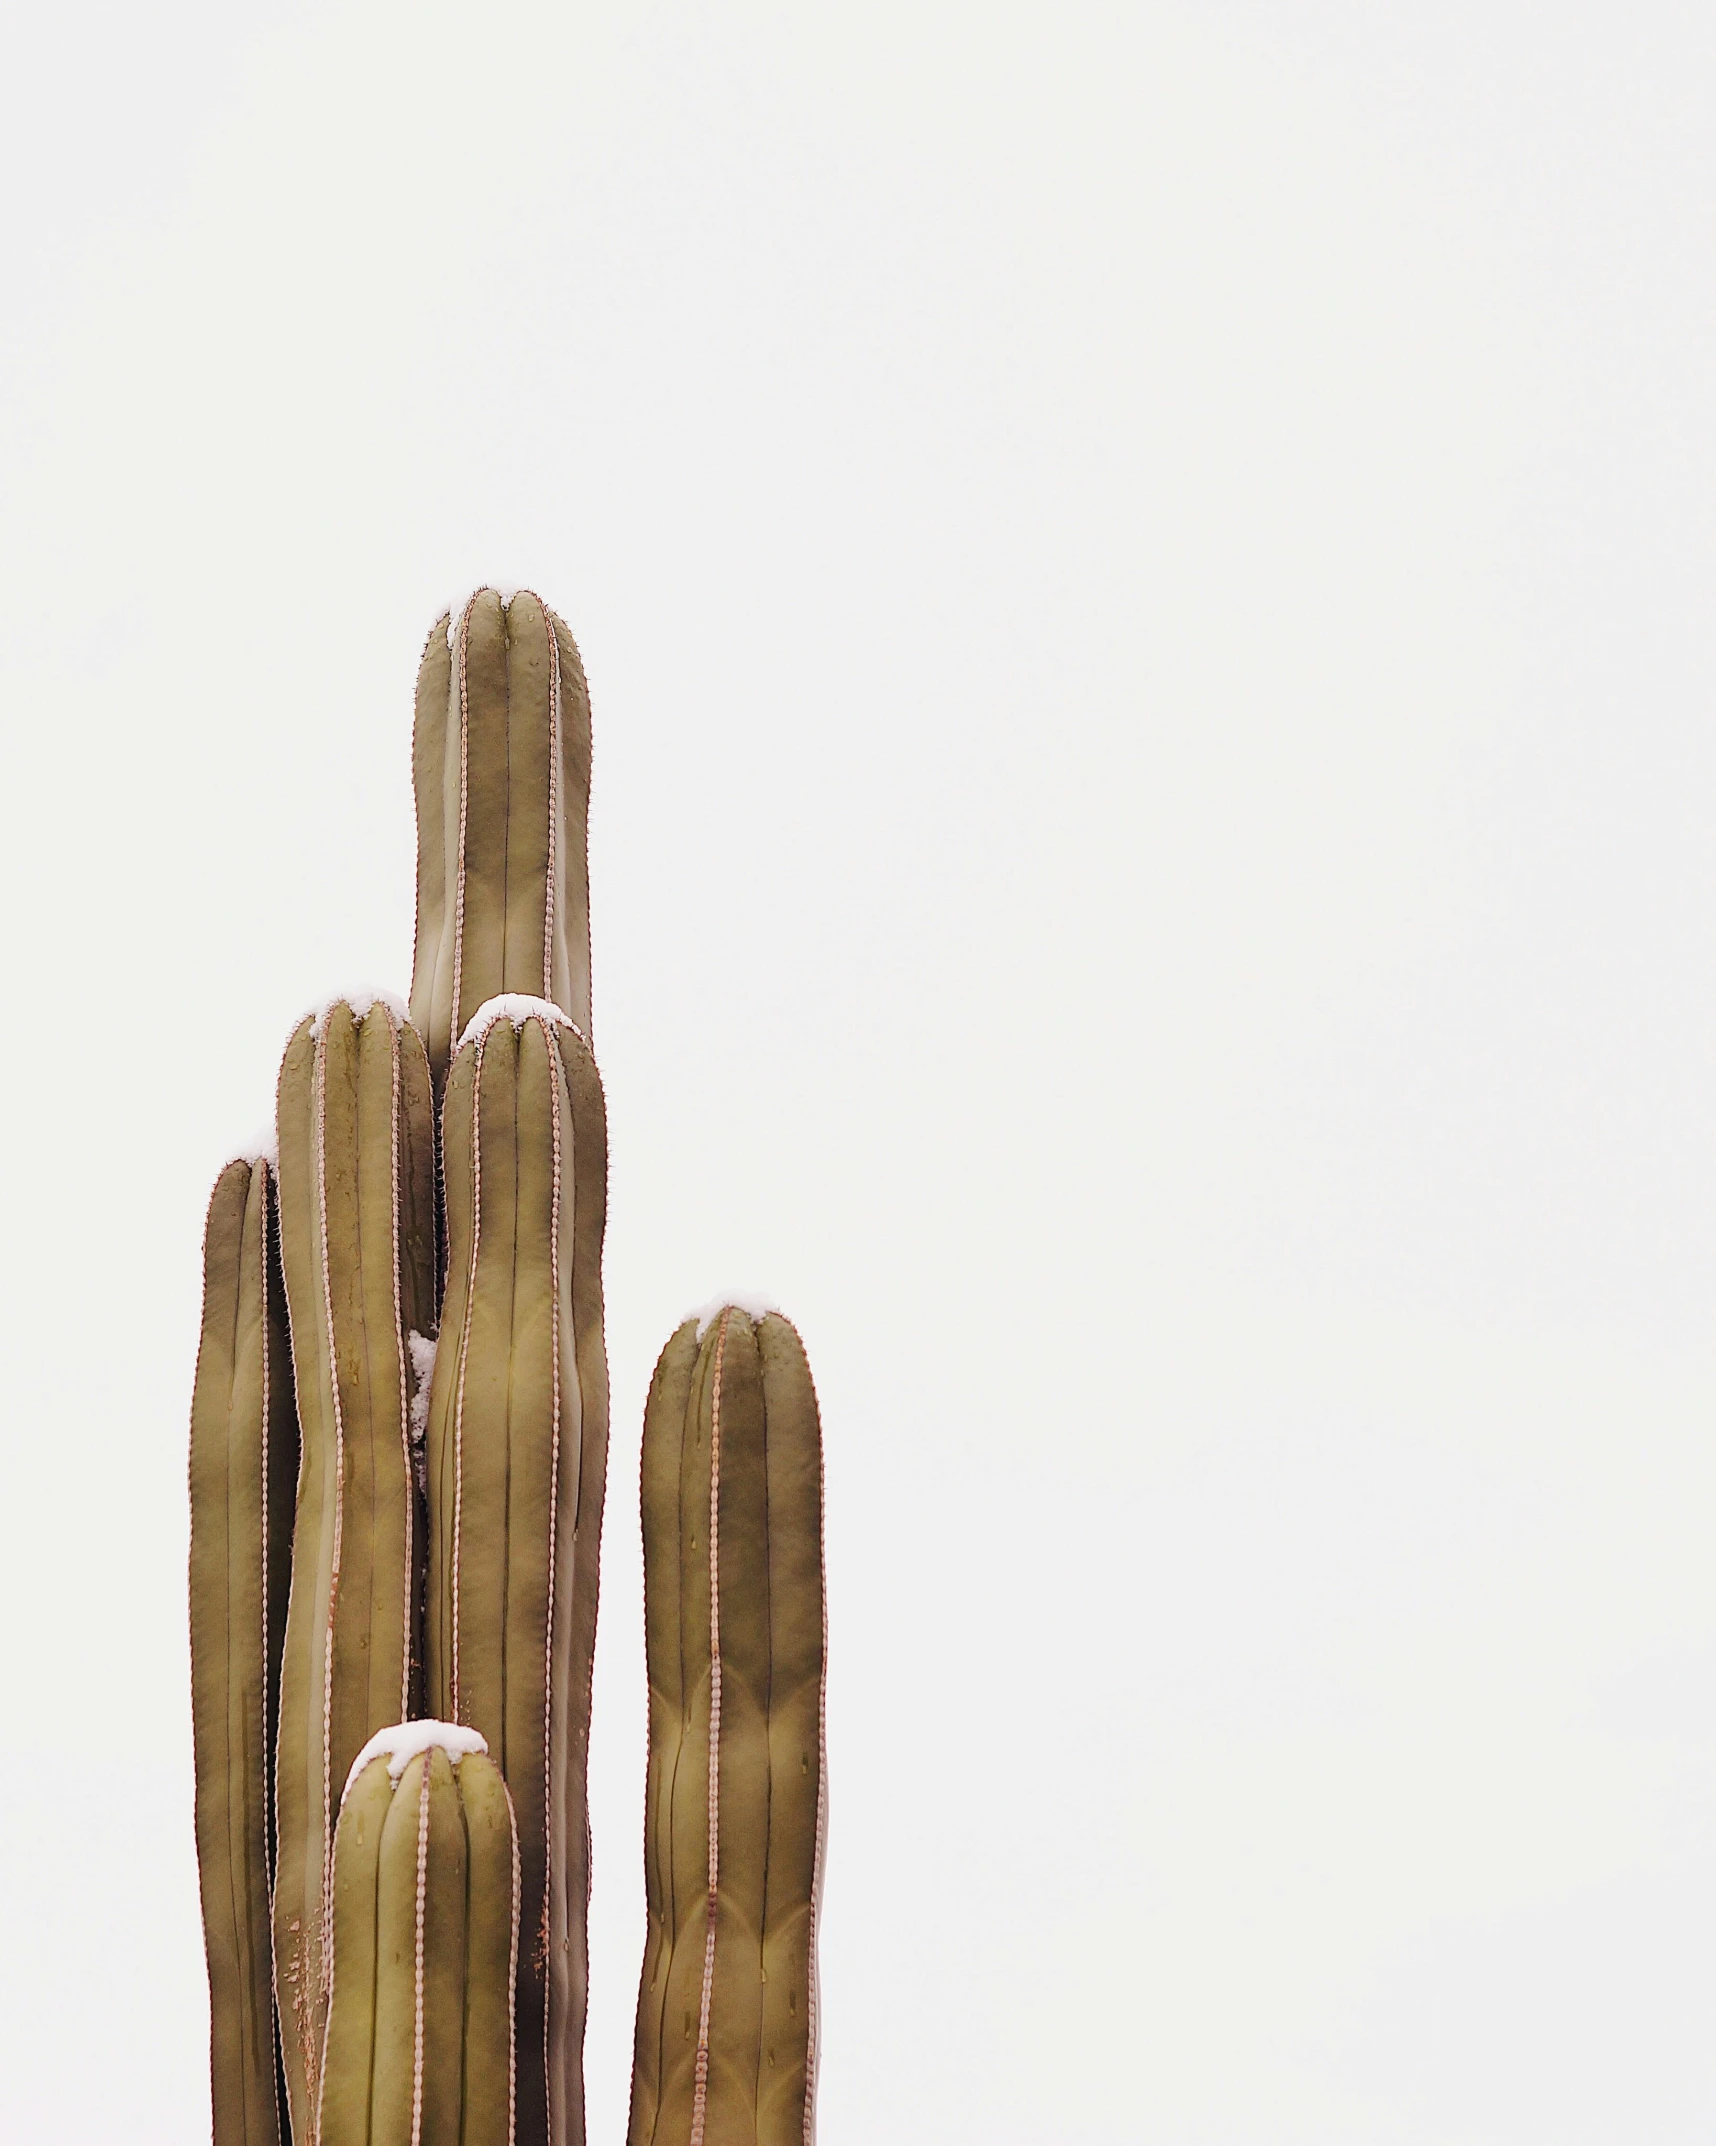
point(517, 1457)
point(357, 1215)
point(244, 1462)
point(501, 768)
point(734, 1804)
point(419, 2045)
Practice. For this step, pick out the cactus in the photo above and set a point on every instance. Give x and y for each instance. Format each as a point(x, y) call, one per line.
point(427, 1257)
point(358, 1236)
point(734, 1804)
point(425, 1920)
point(501, 768)
point(517, 1453)
point(244, 1456)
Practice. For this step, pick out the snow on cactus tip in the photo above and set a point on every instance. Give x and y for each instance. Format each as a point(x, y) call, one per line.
point(360, 1002)
point(407, 1740)
point(516, 1007)
point(753, 1306)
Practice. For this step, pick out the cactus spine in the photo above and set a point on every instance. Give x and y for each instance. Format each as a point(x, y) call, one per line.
point(358, 1233)
point(425, 1918)
point(734, 1805)
point(244, 1457)
point(517, 1452)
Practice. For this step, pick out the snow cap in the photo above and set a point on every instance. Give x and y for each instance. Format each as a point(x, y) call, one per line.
point(404, 1742)
point(360, 1002)
point(753, 1306)
point(516, 1007)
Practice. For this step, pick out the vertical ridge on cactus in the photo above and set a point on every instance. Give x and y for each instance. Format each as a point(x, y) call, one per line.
point(244, 1459)
point(516, 1453)
point(419, 2045)
point(734, 1805)
point(501, 770)
point(357, 1213)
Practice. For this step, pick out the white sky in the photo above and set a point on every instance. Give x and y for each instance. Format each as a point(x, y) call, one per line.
point(1145, 573)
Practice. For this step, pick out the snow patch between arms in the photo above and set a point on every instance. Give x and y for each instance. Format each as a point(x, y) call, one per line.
point(265, 1147)
point(754, 1307)
point(456, 612)
point(516, 1007)
point(401, 1744)
point(422, 1371)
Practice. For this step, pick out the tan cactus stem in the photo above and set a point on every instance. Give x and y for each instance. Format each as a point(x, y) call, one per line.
point(357, 1209)
point(244, 1460)
point(517, 1456)
point(419, 2047)
point(734, 1811)
point(501, 768)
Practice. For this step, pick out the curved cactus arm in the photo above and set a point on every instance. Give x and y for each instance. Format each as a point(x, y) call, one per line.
point(244, 1458)
point(501, 768)
point(419, 2047)
point(734, 1816)
point(517, 1449)
point(357, 1207)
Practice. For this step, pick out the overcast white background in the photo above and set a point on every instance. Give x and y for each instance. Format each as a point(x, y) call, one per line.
point(1146, 575)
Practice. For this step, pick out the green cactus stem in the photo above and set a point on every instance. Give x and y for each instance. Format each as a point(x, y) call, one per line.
point(501, 768)
point(735, 1634)
point(244, 1460)
point(419, 2048)
point(517, 1456)
point(357, 1225)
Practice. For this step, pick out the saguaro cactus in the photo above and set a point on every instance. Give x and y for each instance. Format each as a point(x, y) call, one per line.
point(357, 1219)
point(501, 767)
point(517, 1455)
point(404, 1965)
point(244, 1457)
point(425, 1926)
point(734, 1812)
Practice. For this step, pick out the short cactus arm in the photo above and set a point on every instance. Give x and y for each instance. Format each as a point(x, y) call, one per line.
point(244, 1459)
point(732, 1513)
point(517, 1444)
point(501, 767)
point(358, 1237)
point(419, 2041)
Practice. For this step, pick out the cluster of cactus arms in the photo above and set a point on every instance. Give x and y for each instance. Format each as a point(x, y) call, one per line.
point(398, 1456)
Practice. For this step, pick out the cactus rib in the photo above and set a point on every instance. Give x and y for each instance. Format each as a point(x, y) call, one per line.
point(517, 1445)
point(501, 770)
point(243, 1461)
point(734, 1615)
point(419, 2048)
point(358, 1239)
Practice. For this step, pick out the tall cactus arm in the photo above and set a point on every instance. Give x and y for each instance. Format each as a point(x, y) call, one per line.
point(501, 768)
point(517, 1448)
point(357, 1214)
point(425, 1922)
point(244, 1457)
point(735, 1636)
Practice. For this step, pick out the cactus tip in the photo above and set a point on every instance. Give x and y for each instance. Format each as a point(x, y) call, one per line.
point(753, 1306)
point(455, 612)
point(406, 1740)
point(516, 1007)
point(360, 1002)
